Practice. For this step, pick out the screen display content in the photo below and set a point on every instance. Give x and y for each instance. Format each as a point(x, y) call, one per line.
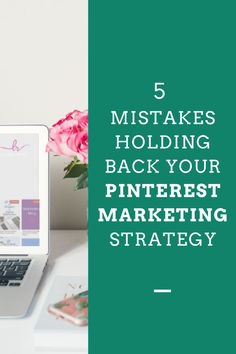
point(19, 190)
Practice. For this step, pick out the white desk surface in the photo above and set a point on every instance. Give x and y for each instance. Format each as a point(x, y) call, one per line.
point(68, 256)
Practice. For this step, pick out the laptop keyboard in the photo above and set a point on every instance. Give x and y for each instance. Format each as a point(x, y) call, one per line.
point(12, 271)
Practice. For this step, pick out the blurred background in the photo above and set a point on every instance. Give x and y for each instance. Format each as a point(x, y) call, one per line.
point(44, 76)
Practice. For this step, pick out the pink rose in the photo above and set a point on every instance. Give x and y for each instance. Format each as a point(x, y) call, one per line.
point(69, 136)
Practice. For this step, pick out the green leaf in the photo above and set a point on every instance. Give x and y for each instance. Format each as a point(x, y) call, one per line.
point(75, 169)
point(59, 305)
point(81, 305)
point(69, 166)
point(83, 294)
point(82, 181)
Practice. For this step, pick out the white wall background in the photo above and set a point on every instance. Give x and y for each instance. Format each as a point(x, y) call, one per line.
point(43, 76)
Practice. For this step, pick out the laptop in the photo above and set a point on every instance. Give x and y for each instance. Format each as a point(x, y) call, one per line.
point(24, 215)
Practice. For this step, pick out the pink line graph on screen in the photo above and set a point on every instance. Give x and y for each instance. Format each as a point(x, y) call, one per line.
point(14, 146)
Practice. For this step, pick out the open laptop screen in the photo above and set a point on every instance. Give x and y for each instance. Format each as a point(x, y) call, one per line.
point(20, 201)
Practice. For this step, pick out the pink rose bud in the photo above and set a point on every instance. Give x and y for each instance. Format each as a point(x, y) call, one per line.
point(69, 136)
